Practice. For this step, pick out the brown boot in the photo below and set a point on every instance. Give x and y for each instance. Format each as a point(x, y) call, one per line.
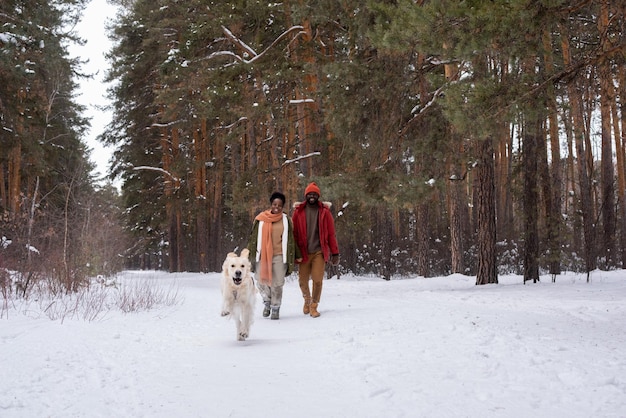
point(313, 310)
point(307, 303)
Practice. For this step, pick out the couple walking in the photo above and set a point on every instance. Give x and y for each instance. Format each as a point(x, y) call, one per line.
point(277, 243)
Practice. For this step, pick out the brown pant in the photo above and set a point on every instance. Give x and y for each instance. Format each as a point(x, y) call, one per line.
point(313, 269)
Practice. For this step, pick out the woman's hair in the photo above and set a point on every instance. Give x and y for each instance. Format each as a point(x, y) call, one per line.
point(277, 195)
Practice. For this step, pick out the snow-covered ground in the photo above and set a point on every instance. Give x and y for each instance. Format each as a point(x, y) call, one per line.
point(437, 347)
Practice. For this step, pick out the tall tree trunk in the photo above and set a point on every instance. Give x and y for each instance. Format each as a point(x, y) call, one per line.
point(545, 185)
point(504, 201)
point(486, 202)
point(216, 201)
point(578, 128)
point(4, 197)
point(531, 137)
point(456, 198)
point(169, 143)
point(532, 142)
point(572, 184)
point(307, 105)
point(15, 174)
point(455, 191)
point(422, 216)
point(607, 177)
point(553, 204)
point(200, 195)
point(621, 158)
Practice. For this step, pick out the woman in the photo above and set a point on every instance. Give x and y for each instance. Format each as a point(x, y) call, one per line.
point(273, 252)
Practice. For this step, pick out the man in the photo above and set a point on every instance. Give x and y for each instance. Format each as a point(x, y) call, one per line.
point(314, 232)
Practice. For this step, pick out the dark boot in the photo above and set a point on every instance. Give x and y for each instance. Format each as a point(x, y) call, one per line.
point(275, 310)
point(266, 309)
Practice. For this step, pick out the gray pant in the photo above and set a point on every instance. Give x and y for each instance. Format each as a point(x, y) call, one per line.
point(274, 293)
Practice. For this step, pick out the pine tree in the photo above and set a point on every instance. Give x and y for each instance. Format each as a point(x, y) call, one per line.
point(45, 169)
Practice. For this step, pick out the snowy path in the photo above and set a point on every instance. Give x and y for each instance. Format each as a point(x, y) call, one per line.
point(438, 347)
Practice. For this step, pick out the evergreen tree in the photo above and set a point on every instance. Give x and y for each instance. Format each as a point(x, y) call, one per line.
point(43, 161)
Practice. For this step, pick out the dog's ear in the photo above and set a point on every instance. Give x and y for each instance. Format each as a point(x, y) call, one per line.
point(227, 262)
point(245, 253)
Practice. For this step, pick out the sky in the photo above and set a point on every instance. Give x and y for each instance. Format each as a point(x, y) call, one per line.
point(411, 347)
point(93, 91)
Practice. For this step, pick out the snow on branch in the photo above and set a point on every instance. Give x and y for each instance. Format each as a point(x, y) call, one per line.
point(247, 50)
point(302, 157)
point(239, 42)
point(419, 112)
point(240, 120)
point(165, 125)
point(300, 101)
point(226, 54)
point(158, 169)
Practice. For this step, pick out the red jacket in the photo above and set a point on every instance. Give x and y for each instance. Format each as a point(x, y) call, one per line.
point(326, 223)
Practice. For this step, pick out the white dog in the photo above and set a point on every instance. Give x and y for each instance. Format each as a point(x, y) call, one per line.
point(238, 292)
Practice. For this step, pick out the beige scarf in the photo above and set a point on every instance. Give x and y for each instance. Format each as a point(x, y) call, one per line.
point(267, 254)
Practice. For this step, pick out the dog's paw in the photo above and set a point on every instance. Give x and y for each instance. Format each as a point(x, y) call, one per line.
point(225, 313)
point(242, 336)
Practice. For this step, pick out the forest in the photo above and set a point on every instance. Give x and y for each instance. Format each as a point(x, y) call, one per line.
point(472, 137)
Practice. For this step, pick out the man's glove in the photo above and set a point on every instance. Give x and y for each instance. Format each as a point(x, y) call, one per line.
point(334, 259)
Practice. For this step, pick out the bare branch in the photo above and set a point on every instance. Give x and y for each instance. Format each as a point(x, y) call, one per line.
point(158, 169)
point(225, 53)
point(300, 101)
point(298, 28)
point(247, 50)
point(302, 157)
point(165, 125)
point(239, 42)
point(422, 110)
point(240, 120)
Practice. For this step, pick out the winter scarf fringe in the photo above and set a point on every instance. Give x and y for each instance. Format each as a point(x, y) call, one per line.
point(268, 218)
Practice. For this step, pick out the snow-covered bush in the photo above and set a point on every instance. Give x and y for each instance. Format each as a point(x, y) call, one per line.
point(92, 302)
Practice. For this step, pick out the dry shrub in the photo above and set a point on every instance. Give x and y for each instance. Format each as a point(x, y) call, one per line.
point(88, 304)
point(144, 295)
point(92, 302)
point(5, 292)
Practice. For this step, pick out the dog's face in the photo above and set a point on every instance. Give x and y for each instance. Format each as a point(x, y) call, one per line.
point(237, 267)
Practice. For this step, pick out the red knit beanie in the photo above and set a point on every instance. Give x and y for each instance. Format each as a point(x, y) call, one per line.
point(312, 188)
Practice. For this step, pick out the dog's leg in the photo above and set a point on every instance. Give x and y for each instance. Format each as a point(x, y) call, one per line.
point(242, 331)
point(225, 308)
point(246, 321)
point(227, 305)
